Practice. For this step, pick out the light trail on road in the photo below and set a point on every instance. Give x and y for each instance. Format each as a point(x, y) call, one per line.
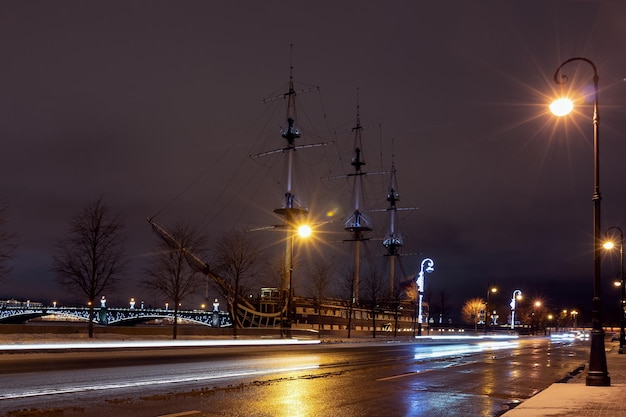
point(154, 344)
point(440, 351)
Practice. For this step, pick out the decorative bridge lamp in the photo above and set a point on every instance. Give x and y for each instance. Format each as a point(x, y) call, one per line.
point(430, 267)
point(598, 374)
point(517, 295)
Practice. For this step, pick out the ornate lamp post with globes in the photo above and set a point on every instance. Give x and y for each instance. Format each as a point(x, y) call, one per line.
point(598, 374)
point(427, 265)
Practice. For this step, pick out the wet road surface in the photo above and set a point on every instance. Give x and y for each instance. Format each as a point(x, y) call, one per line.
point(366, 379)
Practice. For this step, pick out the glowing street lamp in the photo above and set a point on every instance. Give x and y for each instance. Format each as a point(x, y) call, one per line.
point(610, 244)
point(304, 230)
point(517, 295)
point(562, 106)
point(598, 374)
point(490, 290)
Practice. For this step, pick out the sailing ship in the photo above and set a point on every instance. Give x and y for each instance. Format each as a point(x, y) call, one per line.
point(276, 308)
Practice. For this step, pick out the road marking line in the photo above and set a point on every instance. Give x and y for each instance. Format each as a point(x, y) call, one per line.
point(454, 365)
point(387, 378)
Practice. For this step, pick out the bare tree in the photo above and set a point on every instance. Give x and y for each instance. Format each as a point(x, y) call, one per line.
point(237, 261)
point(410, 294)
point(8, 244)
point(427, 301)
point(442, 304)
point(172, 272)
point(347, 287)
point(471, 311)
point(373, 286)
point(401, 295)
point(320, 282)
point(90, 259)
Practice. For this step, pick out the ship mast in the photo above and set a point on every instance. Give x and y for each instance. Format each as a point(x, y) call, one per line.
point(290, 209)
point(393, 240)
point(357, 223)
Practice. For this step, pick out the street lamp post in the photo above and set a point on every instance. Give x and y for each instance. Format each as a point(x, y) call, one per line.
point(303, 231)
point(598, 374)
point(609, 245)
point(534, 324)
point(574, 315)
point(517, 295)
point(430, 267)
point(549, 323)
point(487, 315)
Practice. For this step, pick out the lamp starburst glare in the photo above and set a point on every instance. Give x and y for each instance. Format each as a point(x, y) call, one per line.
point(561, 106)
point(304, 230)
point(608, 245)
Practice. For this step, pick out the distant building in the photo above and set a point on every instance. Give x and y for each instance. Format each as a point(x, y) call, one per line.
point(17, 303)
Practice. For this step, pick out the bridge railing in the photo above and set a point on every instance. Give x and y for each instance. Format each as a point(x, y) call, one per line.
point(116, 316)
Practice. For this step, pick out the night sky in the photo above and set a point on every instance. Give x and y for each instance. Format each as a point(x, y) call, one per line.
point(155, 106)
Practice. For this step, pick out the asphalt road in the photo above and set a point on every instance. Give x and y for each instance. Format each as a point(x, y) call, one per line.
point(363, 379)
